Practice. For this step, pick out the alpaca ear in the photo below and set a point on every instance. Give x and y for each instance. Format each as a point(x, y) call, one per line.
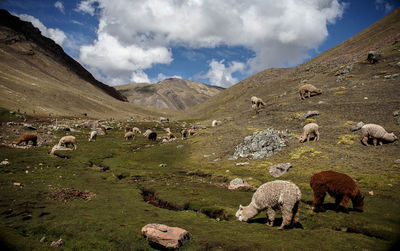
point(240, 206)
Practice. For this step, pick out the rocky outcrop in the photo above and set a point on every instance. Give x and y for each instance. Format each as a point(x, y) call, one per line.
point(279, 169)
point(165, 237)
point(262, 144)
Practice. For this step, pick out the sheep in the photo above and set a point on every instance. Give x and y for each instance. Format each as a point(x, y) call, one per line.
point(66, 140)
point(308, 89)
point(377, 133)
point(26, 138)
point(257, 101)
point(136, 130)
point(152, 136)
point(278, 194)
point(147, 132)
point(93, 135)
point(338, 185)
point(309, 130)
point(129, 135)
point(215, 123)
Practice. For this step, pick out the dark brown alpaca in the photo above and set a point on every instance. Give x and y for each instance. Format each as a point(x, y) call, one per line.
point(26, 138)
point(338, 185)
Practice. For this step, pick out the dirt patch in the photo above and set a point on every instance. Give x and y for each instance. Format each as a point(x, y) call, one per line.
point(71, 193)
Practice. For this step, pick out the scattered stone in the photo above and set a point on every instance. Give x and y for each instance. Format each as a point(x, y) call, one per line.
point(236, 183)
point(162, 165)
point(308, 114)
point(165, 237)
point(396, 113)
point(398, 64)
point(304, 81)
point(387, 76)
point(179, 146)
point(373, 57)
point(321, 102)
point(365, 97)
point(217, 159)
point(357, 127)
point(57, 244)
point(206, 155)
point(100, 168)
point(29, 126)
point(398, 121)
point(232, 157)
point(242, 163)
point(397, 161)
point(371, 193)
point(17, 184)
point(279, 169)
point(375, 77)
point(396, 75)
point(44, 239)
point(262, 144)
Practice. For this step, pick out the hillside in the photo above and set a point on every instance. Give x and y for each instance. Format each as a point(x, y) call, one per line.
point(38, 78)
point(172, 93)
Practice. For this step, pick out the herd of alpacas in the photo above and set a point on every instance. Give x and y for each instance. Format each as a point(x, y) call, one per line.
point(275, 195)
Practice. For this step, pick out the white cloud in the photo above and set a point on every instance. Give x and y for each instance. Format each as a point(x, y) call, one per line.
point(279, 32)
point(139, 76)
point(87, 6)
point(383, 5)
point(220, 75)
point(56, 34)
point(161, 77)
point(60, 6)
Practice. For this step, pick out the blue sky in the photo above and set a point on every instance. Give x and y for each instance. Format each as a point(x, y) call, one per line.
point(215, 42)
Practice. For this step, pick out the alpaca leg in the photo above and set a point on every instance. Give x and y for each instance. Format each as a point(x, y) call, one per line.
point(317, 134)
point(380, 142)
point(365, 140)
point(318, 200)
point(308, 137)
point(375, 140)
point(344, 202)
point(309, 94)
point(296, 213)
point(270, 216)
point(338, 199)
point(286, 217)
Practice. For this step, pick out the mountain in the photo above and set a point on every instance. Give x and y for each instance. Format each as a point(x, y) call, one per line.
point(342, 72)
point(171, 93)
point(37, 77)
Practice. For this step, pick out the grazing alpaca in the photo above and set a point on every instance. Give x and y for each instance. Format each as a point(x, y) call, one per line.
point(338, 185)
point(152, 136)
point(129, 135)
point(66, 140)
point(308, 89)
point(93, 135)
point(273, 195)
point(310, 130)
point(26, 138)
point(377, 133)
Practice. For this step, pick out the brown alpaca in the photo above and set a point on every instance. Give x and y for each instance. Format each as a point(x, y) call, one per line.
point(104, 130)
point(307, 90)
point(26, 138)
point(338, 185)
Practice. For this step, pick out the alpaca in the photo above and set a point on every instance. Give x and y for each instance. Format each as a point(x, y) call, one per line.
point(26, 138)
point(278, 194)
point(152, 136)
point(66, 140)
point(338, 185)
point(93, 135)
point(309, 130)
point(308, 89)
point(377, 133)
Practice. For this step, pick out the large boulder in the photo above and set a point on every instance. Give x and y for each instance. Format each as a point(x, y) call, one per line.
point(308, 114)
point(357, 126)
point(165, 237)
point(236, 183)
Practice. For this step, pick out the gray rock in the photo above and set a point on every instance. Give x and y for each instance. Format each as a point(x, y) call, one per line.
point(165, 237)
point(396, 75)
point(43, 239)
point(162, 165)
point(396, 113)
point(232, 157)
point(30, 127)
point(387, 76)
point(237, 181)
point(373, 57)
point(279, 169)
point(357, 127)
point(216, 160)
point(179, 146)
point(397, 161)
point(308, 114)
point(242, 163)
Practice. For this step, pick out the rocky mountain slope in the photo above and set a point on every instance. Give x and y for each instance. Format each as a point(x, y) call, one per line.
point(38, 78)
point(172, 93)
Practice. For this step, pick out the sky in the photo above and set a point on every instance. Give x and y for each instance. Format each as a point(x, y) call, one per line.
point(215, 42)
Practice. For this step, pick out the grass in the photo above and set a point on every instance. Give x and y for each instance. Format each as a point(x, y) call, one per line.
point(192, 190)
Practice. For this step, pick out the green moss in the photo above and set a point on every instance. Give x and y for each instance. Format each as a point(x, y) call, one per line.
point(303, 153)
point(347, 139)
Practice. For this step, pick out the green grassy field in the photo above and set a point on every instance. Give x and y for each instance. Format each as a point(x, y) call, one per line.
point(191, 189)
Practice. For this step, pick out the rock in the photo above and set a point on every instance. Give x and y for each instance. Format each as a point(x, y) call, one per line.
point(232, 157)
point(4, 163)
point(236, 183)
point(373, 57)
point(162, 165)
point(398, 121)
point(242, 163)
point(321, 102)
point(163, 236)
point(59, 148)
point(357, 127)
point(395, 75)
point(398, 64)
point(308, 114)
point(387, 76)
point(162, 119)
point(279, 169)
point(179, 146)
point(17, 184)
point(57, 244)
point(29, 126)
point(216, 160)
point(43, 239)
point(371, 193)
point(396, 113)
point(397, 161)
point(262, 144)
